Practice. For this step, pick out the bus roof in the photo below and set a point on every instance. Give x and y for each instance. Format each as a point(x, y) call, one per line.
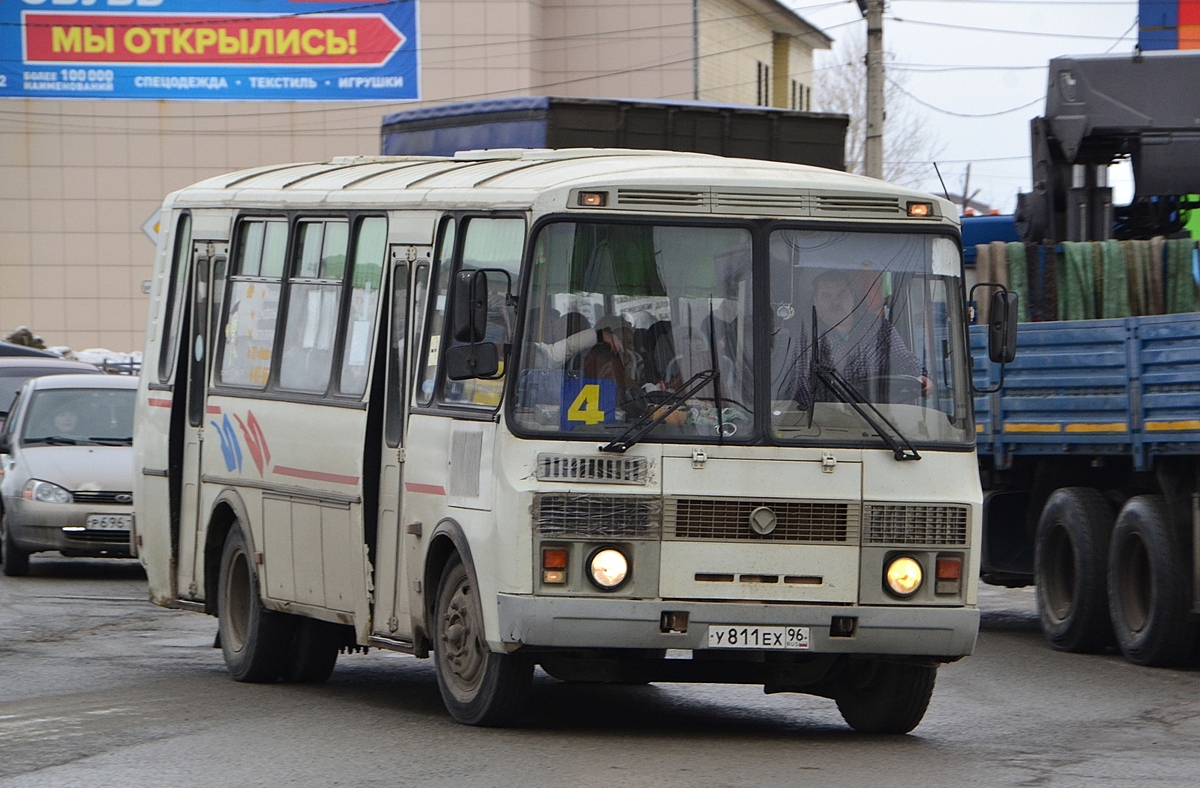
point(522, 178)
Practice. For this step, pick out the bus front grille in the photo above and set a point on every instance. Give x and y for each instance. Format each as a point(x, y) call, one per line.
point(586, 468)
point(730, 519)
point(912, 524)
point(627, 516)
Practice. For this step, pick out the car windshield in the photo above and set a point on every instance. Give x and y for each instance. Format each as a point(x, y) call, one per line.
point(619, 316)
point(880, 311)
point(73, 416)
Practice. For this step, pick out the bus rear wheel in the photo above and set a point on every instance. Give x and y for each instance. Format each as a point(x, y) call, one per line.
point(478, 686)
point(313, 653)
point(886, 697)
point(1148, 586)
point(253, 639)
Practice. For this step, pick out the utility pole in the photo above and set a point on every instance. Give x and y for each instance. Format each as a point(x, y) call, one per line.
point(873, 11)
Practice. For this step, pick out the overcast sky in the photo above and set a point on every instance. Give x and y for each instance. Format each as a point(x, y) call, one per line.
point(984, 58)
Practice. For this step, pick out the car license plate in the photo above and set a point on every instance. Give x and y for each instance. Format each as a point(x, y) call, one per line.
point(758, 637)
point(109, 522)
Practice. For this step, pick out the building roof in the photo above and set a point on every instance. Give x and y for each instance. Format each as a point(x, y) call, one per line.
point(788, 21)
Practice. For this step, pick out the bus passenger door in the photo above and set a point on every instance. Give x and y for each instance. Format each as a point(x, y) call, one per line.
point(391, 619)
point(207, 257)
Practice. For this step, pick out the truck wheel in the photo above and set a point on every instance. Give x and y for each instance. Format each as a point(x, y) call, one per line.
point(478, 687)
point(1070, 566)
point(1148, 593)
point(886, 697)
point(253, 639)
point(314, 652)
point(15, 560)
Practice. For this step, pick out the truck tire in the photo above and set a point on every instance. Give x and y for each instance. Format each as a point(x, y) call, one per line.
point(1070, 569)
point(1148, 586)
point(14, 559)
point(254, 640)
point(478, 686)
point(886, 697)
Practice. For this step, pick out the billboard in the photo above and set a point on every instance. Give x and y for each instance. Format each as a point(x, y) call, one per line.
point(216, 50)
point(1169, 24)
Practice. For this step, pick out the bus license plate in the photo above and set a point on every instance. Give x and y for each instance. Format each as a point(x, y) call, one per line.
point(109, 522)
point(758, 637)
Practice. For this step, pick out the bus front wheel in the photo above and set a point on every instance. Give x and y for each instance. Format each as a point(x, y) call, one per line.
point(886, 697)
point(478, 686)
point(253, 639)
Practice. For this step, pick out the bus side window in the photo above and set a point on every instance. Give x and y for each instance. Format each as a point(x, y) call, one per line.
point(493, 244)
point(393, 425)
point(248, 339)
point(313, 301)
point(437, 322)
point(420, 300)
point(366, 274)
point(171, 318)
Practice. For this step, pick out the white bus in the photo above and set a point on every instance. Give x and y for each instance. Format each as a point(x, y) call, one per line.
point(630, 416)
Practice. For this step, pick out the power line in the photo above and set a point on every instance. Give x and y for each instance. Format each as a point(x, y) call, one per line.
point(944, 111)
point(978, 29)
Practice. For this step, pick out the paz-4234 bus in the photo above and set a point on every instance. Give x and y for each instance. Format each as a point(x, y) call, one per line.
point(631, 416)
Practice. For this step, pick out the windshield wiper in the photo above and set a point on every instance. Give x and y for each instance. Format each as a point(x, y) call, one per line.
point(105, 440)
point(53, 440)
point(848, 393)
point(655, 416)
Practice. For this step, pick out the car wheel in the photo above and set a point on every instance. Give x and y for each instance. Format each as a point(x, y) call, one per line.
point(253, 639)
point(15, 560)
point(478, 686)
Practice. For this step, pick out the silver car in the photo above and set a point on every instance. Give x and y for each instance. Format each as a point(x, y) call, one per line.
point(66, 469)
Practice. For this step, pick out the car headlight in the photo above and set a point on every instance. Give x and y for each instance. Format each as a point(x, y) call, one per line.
point(903, 576)
point(608, 568)
point(45, 492)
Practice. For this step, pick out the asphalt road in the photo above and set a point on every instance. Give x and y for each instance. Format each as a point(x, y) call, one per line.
point(98, 687)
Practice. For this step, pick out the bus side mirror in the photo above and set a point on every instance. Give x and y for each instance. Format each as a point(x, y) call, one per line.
point(470, 306)
point(1002, 327)
point(466, 362)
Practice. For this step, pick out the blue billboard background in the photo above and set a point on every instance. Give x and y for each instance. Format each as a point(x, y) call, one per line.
point(215, 50)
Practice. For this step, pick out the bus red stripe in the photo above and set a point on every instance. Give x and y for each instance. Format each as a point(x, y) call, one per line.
point(158, 403)
point(432, 489)
point(316, 476)
point(213, 409)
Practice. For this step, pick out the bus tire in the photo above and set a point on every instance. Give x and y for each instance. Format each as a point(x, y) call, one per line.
point(1070, 569)
point(886, 697)
point(253, 639)
point(313, 654)
point(15, 560)
point(478, 686)
point(1148, 590)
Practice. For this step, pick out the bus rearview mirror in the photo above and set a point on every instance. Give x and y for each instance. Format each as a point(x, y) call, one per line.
point(470, 306)
point(1002, 327)
point(465, 362)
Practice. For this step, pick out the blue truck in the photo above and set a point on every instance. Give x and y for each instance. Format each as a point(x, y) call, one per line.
point(1089, 441)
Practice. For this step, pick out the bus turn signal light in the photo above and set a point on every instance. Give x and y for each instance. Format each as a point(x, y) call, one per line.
point(949, 575)
point(593, 199)
point(554, 565)
point(920, 209)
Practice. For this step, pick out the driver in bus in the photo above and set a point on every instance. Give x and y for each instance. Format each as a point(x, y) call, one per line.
point(854, 338)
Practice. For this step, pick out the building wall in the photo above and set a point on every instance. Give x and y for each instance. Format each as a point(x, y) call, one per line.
point(79, 177)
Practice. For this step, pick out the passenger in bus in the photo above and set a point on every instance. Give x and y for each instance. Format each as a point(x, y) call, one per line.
point(854, 338)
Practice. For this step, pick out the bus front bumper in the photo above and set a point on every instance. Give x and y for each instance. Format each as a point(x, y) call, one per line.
point(572, 622)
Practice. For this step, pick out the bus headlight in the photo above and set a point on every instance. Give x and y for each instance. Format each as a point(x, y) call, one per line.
point(608, 568)
point(903, 576)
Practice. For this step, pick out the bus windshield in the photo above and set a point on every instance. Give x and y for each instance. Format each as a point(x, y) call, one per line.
point(866, 317)
point(619, 316)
